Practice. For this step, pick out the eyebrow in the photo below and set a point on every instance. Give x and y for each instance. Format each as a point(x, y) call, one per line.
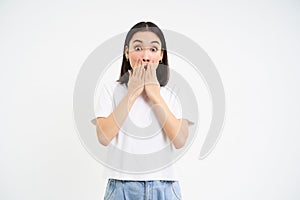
point(142, 42)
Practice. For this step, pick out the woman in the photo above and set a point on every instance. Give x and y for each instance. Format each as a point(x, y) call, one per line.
point(144, 74)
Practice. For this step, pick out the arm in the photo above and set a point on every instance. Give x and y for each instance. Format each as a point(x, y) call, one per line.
point(175, 129)
point(108, 128)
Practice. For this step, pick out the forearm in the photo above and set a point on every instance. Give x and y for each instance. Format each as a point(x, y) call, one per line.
point(108, 128)
point(175, 129)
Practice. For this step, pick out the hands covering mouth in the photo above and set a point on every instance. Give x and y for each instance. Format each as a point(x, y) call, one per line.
point(141, 78)
point(145, 66)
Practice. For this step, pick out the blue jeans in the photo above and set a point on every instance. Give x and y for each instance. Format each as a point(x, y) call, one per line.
point(142, 190)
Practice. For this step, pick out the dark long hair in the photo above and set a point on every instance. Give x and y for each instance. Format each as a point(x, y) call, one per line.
point(162, 71)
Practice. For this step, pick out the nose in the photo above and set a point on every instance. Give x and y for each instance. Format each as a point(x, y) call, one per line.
point(146, 60)
point(146, 57)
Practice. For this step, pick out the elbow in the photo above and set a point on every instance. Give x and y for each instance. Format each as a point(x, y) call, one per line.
point(103, 142)
point(180, 142)
point(178, 146)
point(182, 136)
point(102, 138)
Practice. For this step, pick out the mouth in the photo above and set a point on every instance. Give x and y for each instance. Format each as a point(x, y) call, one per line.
point(145, 66)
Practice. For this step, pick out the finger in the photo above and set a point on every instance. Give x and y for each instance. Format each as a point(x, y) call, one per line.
point(140, 71)
point(135, 67)
point(147, 74)
point(136, 63)
point(151, 69)
point(143, 74)
point(139, 67)
point(155, 66)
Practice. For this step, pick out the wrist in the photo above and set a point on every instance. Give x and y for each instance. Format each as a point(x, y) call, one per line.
point(156, 99)
point(130, 98)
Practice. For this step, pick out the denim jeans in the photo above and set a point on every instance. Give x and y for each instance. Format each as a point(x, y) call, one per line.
point(142, 190)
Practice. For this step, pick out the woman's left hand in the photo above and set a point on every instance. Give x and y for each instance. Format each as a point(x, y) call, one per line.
point(152, 87)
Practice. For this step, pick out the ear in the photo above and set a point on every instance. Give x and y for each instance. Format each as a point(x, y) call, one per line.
point(161, 55)
point(126, 52)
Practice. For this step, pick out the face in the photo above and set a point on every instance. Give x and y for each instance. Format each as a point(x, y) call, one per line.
point(146, 46)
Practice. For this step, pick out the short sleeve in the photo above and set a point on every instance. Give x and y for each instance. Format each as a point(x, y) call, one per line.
point(103, 102)
point(176, 108)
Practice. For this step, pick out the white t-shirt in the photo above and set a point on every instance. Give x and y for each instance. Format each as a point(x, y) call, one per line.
point(108, 97)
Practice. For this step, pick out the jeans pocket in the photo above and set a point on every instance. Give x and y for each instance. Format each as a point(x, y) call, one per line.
point(110, 187)
point(176, 190)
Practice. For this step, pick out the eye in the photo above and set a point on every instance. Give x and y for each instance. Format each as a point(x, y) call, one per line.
point(137, 48)
point(154, 49)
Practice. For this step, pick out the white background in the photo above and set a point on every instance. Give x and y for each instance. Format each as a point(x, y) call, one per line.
point(254, 45)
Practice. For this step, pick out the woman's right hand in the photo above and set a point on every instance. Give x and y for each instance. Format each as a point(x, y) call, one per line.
point(136, 80)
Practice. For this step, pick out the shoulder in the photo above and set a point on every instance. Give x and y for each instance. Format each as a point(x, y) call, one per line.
point(110, 86)
point(170, 95)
